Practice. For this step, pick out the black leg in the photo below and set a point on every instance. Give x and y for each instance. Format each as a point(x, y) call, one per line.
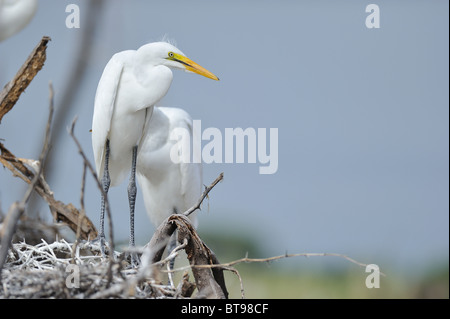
point(132, 201)
point(106, 182)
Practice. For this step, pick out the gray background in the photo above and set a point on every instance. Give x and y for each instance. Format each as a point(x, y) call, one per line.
point(362, 117)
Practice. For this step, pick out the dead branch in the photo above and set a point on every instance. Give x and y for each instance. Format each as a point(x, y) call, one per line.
point(12, 91)
point(82, 57)
point(270, 259)
point(87, 164)
point(68, 214)
point(210, 284)
point(8, 97)
point(60, 211)
point(234, 271)
point(39, 177)
point(229, 265)
point(9, 227)
point(185, 287)
point(205, 193)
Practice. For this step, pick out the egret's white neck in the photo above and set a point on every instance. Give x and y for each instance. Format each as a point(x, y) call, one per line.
point(156, 77)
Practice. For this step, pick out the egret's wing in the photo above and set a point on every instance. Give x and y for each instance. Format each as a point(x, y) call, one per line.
point(2, 25)
point(191, 178)
point(104, 107)
point(191, 173)
point(191, 182)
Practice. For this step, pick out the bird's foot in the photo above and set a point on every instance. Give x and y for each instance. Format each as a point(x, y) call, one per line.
point(133, 259)
point(99, 243)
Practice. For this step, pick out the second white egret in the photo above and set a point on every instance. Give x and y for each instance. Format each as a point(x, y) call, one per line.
point(169, 185)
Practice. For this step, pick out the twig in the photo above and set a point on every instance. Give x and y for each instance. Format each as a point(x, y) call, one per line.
point(94, 174)
point(172, 255)
point(205, 193)
point(12, 91)
point(270, 259)
point(234, 271)
point(75, 78)
point(18, 208)
point(107, 207)
point(82, 209)
point(61, 212)
point(146, 268)
point(209, 282)
point(185, 287)
point(8, 97)
point(45, 147)
point(8, 229)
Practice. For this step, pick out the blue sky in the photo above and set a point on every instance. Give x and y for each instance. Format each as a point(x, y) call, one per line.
point(362, 118)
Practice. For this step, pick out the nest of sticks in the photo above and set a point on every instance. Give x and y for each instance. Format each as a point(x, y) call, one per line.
point(79, 270)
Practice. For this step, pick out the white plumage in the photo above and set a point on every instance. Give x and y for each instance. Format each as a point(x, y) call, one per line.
point(167, 187)
point(15, 15)
point(127, 89)
point(138, 133)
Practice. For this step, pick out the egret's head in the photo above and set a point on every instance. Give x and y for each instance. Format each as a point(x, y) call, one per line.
point(163, 53)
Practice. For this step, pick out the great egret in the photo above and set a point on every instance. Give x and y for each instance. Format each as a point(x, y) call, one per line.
point(168, 187)
point(15, 15)
point(132, 82)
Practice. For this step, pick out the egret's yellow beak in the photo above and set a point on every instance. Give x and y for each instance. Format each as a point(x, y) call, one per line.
point(191, 66)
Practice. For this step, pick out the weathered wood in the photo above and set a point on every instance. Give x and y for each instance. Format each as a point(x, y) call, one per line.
point(12, 91)
point(186, 288)
point(8, 229)
point(66, 213)
point(209, 282)
point(160, 239)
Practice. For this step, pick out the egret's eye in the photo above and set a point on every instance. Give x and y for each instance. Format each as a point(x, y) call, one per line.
point(170, 54)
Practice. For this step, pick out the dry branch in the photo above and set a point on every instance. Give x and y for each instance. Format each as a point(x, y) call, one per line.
point(88, 165)
point(8, 229)
point(12, 91)
point(209, 282)
point(270, 259)
point(8, 97)
point(204, 195)
point(68, 214)
point(75, 76)
point(17, 209)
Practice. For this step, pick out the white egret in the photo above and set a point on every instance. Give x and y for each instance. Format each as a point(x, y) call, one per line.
point(168, 187)
point(132, 82)
point(15, 15)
